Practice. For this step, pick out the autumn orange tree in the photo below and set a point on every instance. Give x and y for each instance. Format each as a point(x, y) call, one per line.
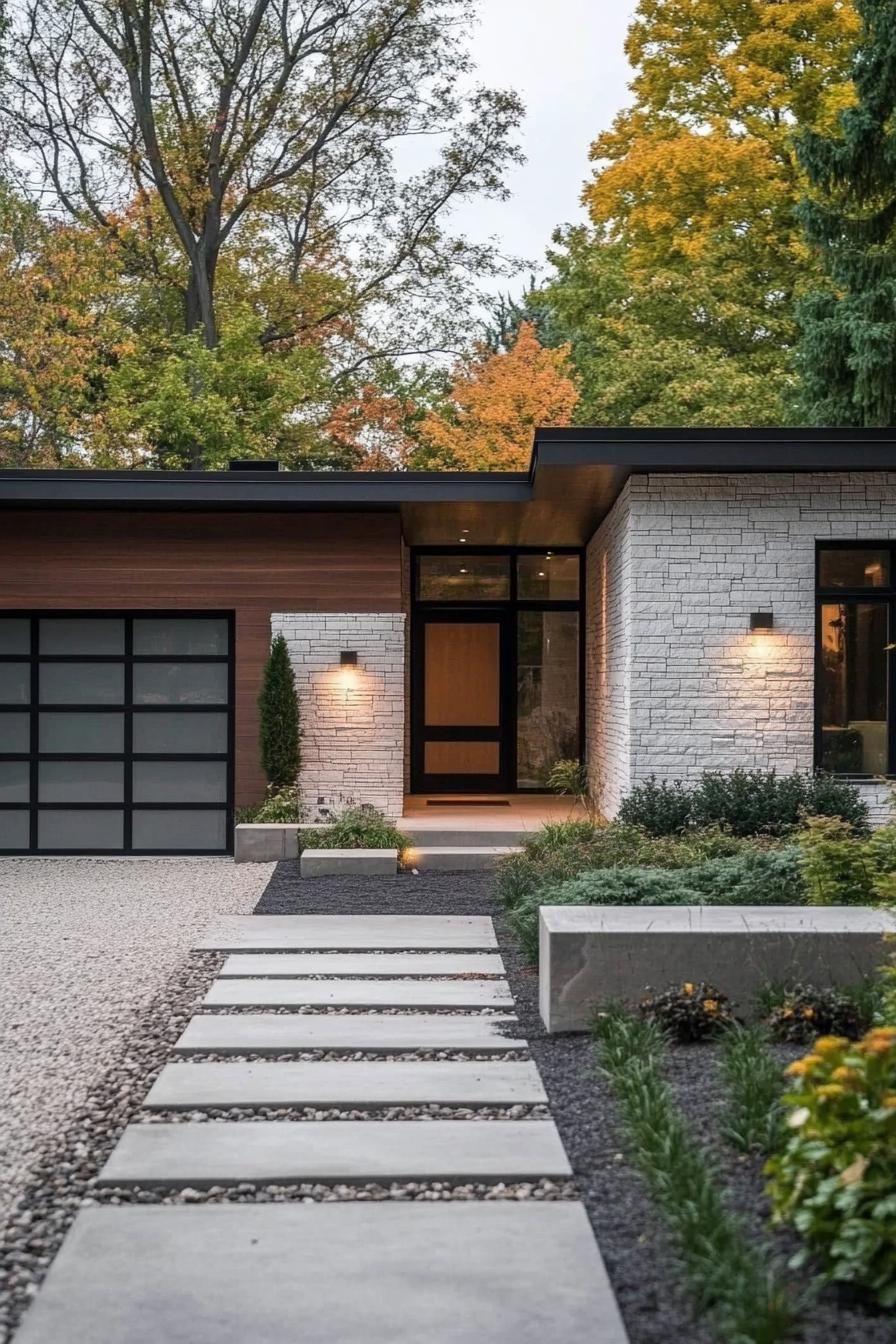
point(495, 403)
point(679, 297)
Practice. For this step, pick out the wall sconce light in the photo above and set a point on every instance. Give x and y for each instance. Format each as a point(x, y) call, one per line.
point(762, 620)
point(348, 658)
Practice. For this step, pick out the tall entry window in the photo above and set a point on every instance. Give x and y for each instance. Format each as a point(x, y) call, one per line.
point(496, 663)
point(856, 618)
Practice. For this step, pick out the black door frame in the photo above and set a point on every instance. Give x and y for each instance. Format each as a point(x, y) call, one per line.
point(506, 610)
point(421, 734)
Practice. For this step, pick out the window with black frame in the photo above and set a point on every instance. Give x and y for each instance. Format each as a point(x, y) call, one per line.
point(856, 596)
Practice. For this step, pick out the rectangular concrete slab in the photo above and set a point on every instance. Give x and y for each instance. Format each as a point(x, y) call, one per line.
point(360, 993)
point(458, 858)
point(289, 964)
point(351, 1083)
point(355, 1273)
point(361, 933)
point(349, 863)
point(591, 954)
point(329, 1150)
point(275, 1033)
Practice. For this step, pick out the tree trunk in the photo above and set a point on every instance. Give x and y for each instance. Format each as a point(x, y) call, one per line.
point(199, 314)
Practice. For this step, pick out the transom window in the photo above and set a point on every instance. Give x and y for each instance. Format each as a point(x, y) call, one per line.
point(856, 618)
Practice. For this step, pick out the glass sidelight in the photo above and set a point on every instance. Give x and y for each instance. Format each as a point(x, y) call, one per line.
point(547, 672)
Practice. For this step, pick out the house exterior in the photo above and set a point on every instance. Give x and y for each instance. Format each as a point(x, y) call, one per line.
point(654, 601)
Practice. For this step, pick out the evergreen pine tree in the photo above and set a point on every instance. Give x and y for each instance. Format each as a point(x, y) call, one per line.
point(278, 708)
point(847, 350)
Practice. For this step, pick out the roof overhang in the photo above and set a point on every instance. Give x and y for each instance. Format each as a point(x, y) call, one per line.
point(574, 477)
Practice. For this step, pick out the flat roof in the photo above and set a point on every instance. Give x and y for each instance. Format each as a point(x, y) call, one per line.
point(574, 476)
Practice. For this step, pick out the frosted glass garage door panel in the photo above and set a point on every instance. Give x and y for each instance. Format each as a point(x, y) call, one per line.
point(180, 683)
point(15, 683)
point(189, 733)
point(78, 733)
point(14, 781)
point(180, 781)
point(81, 782)
point(179, 830)
point(15, 635)
point(15, 732)
point(79, 829)
point(15, 830)
point(194, 635)
point(82, 683)
point(81, 634)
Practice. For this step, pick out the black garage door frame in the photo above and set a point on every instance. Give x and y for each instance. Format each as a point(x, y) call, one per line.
point(35, 658)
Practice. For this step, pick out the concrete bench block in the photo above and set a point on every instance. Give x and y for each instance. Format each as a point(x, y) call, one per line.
point(590, 954)
point(458, 858)
point(349, 862)
point(262, 842)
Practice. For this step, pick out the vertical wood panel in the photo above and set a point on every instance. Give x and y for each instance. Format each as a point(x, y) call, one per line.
point(248, 563)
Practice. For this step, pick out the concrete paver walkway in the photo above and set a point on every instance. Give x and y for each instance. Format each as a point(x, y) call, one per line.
point(388, 1272)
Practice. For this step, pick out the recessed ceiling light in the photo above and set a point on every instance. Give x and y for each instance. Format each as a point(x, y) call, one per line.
point(463, 571)
point(541, 574)
point(461, 538)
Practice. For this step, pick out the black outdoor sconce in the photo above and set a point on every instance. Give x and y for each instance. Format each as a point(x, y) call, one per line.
point(762, 620)
point(348, 658)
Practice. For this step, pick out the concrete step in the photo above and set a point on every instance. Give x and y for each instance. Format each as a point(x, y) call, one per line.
point(367, 993)
point(458, 858)
point(458, 835)
point(282, 1152)
point(278, 1033)
point(354, 1083)
point(357, 933)
point(278, 965)
point(501, 1272)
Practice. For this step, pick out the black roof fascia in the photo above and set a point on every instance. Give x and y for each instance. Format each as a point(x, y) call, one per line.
point(771, 449)
point(255, 490)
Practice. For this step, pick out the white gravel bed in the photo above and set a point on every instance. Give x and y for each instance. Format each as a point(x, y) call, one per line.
point(429, 1111)
point(396, 1056)
point(84, 945)
point(319, 1192)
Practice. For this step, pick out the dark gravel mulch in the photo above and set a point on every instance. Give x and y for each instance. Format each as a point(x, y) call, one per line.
point(638, 1255)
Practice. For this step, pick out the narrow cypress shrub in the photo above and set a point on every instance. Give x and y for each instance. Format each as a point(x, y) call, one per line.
point(278, 707)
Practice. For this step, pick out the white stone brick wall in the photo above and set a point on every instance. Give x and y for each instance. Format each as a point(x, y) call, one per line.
point(703, 552)
point(608, 657)
point(352, 718)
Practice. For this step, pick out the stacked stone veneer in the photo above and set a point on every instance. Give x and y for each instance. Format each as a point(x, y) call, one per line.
point(676, 683)
point(352, 718)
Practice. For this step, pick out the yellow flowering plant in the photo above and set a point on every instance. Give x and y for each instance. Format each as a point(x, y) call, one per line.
point(834, 1179)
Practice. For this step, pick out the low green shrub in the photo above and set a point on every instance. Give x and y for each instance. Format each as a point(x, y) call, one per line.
point(732, 1279)
point(835, 1178)
point(279, 805)
point(800, 1012)
point(688, 1012)
point(752, 1114)
point(745, 802)
point(751, 877)
point(356, 828)
point(562, 850)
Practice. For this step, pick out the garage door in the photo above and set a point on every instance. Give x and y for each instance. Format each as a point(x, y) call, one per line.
point(116, 733)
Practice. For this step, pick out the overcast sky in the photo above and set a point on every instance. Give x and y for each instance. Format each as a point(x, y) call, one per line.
point(566, 59)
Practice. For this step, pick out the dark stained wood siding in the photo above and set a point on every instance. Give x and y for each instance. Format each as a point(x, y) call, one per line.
point(252, 564)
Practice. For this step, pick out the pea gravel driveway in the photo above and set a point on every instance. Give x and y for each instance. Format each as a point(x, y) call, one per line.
point(84, 946)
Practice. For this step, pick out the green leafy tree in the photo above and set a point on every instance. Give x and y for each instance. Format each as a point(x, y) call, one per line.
point(278, 708)
point(847, 352)
point(678, 297)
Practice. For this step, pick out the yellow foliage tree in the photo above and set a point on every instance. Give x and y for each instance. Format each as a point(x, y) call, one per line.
point(496, 401)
